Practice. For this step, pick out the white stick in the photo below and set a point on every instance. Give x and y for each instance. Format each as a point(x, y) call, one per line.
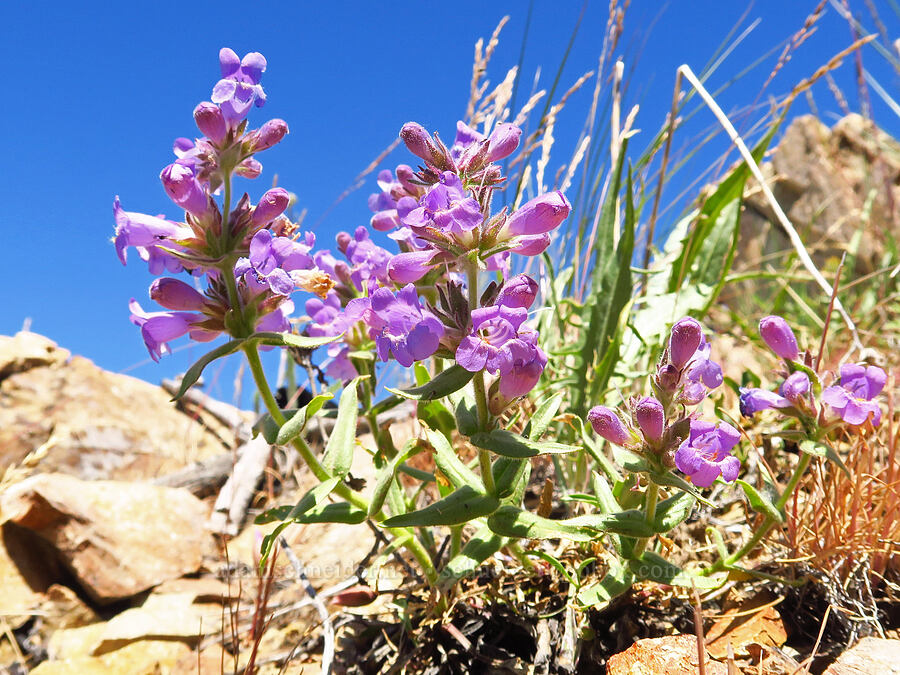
point(776, 207)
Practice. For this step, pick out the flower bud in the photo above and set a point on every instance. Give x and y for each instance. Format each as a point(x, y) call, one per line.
point(271, 205)
point(776, 333)
point(539, 215)
point(406, 176)
point(384, 221)
point(531, 245)
point(183, 189)
point(608, 425)
point(418, 141)
point(503, 141)
point(795, 387)
point(684, 341)
point(406, 268)
point(519, 291)
point(269, 134)
point(249, 168)
point(355, 596)
point(211, 122)
point(650, 418)
point(667, 377)
point(175, 294)
point(343, 240)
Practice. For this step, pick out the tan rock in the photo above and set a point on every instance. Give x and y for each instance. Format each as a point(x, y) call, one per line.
point(148, 657)
point(91, 423)
point(201, 590)
point(209, 661)
point(61, 607)
point(869, 655)
point(747, 626)
point(117, 538)
point(672, 655)
point(170, 617)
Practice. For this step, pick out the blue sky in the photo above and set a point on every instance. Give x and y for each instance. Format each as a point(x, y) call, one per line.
point(97, 94)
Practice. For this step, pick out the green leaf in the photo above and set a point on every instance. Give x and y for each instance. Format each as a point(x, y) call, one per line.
point(450, 465)
point(628, 460)
point(313, 497)
point(508, 444)
point(446, 382)
point(553, 562)
point(268, 542)
point(613, 584)
point(654, 567)
point(511, 521)
point(339, 451)
point(292, 340)
point(760, 503)
point(716, 537)
point(297, 419)
point(461, 506)
point(481, 546)
point(340, 512)
point(672, 480)
point(508, 474)
point(820, 449)
point(606, 500)
point(542, 417)
point(193, 373)
point(387, 473)
point(673, 511)
point(466, 419)
point(436, 415)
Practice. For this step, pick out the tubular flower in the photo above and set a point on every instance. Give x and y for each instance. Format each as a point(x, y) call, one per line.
point(607, 423)
point(147, 234)
point(706, 453)
point(852, 397)
point(401, 327)
point(239, 87)
point(792, 394)
point(446, 207)
point(779, 337)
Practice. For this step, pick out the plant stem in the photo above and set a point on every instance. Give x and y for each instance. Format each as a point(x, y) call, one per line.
point(412, 544)
point(520, 555)
point(650, 498)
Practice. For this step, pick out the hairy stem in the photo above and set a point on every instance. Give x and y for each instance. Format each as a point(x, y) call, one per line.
point(650, 499)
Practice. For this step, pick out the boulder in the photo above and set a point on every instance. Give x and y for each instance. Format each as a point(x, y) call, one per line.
point(671, 655)
point(116, 538)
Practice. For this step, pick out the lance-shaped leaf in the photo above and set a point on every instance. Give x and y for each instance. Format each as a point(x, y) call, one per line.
point(510, 521)
point(542, 417)
point(386, 475)
point(313, 497)
point(653, 567)
point(292, 340)
point(482, 545)
point(295, 421)
point(508, 475)
point(339, 451)
point(820, 449)
point(508, 444)
point(460, 506)
point(340, 512)
point(446, 382)
point(673, 480)
point(613, 584)
point(760, 502)
point(673, 511)
point(450, 465)
point(436, 415)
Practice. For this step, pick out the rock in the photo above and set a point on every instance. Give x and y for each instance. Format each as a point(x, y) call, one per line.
point(73, 643)
point(117, 538)
point(826, 180)
point(88, 422)
point(672, 655)
point(161, 617)
point(148, 657)
point(869, 655)
point(748, 625)
point(200, 590)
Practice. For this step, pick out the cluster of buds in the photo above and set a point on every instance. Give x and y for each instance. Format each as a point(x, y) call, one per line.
point(659, 429)
point(251, 257)
point(851, 399)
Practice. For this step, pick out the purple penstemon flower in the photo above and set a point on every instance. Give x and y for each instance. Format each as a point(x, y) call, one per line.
point(779, 337)
point(146, 234)
point(446, 207)
point(270, 263)
point(792, 394)
point(368, 261)
point(497, 334)
point(239, 87)
point(159, 328)
point(401, 326)
point(702, 375)
point(706, 453)
point(852, 397)
point(607, 424)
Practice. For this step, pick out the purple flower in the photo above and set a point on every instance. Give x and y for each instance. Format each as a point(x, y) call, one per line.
point(792, 395)
point(405, 268)
point(271, 205)
point(497, 340)
point(466, 136)
point(174, 294)
point(607, 423)
point(519, 291)
point(446, 207)
point(524, 373)
point(651, 418)
point(268, 135)
point(210, 121)
point(270, 262)
point(158, 328)
point(684, 341)
point(852, 397)
point(776, 333)
point(701, 375)
point(539, 215)
point(368, 261)
point(418, 141)
point(503, 141)
point(402, 327)
point(239, 87)
point(146, 233)
point(185, 190)
point(531, 245)
point(706, 453)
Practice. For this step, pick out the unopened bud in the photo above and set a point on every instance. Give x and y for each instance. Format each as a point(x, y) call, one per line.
point(776, 333)
point(176, 295)
point(539, 215)
point(406, 175)
point(418, 141)
point(211, 122)
point(503, 141)
point(181, 186)
point(608, 425)
point(355, 596)
point(519, 291)
point(271, 205)
point(269, 134)
point(343, 240)
point(667, 377)
point(650, 418)
point(684, 341)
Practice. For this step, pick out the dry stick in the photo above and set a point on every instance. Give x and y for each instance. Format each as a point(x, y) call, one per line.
point(784, 221)
point(698, 630)
point(651, 224)
point(327, 627)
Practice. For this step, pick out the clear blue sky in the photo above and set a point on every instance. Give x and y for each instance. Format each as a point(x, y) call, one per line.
point(96, 92)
